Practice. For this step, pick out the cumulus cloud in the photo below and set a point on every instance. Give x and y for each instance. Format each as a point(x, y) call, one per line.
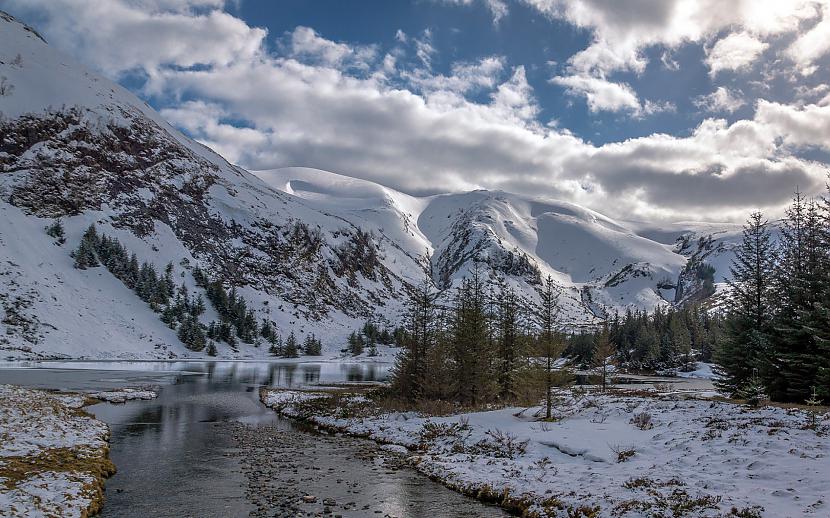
point(601, 95)
point(808, 126)
point(721, 100)
point(734, 52)
point(812, 45)
point(120, 36)
point(411, 128)
point(307, 44)
point(624, 30)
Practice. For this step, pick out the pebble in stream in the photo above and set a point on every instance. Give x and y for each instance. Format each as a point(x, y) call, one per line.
point(293, 474)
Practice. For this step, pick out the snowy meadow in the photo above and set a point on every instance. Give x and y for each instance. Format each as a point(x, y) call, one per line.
point(621, 453)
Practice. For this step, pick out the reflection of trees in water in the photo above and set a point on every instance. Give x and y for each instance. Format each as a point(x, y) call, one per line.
point(289, 369)
point(311, 373)
point(363, 372)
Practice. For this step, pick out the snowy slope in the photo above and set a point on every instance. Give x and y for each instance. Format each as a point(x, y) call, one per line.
point(312, 251)
point(603, 266)
point(79, 148)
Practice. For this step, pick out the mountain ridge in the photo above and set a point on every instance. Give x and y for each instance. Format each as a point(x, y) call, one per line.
point(311, 251)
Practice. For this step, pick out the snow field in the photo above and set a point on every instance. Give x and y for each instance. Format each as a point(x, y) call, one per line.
point(619, 454)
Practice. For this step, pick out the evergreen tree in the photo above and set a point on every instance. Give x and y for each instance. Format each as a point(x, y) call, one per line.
point(276, 347)
point(355, 343)
point(291, 349)
point(409, 373)
point(191, 334)
point(550, 340)
point(508, 343)
point(313, 346)
point(474, 380)
point(800, 275)
point(56, 231)
point(211, 348)
point(86, 253)
point(744, 344)
point(85, 256)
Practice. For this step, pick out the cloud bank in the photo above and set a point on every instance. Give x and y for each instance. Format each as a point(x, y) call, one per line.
point(358, 110)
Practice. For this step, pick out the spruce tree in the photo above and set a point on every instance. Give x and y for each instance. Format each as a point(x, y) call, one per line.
point(745, 342)
point(550, 340)
point(291, 349)
point(508, 342)
point(801, 271)
point(56, 231)
point(85, 255)
point(276, 347)
point(313, 346)
point(355, 343)
point(417, 339)
point(471, 347)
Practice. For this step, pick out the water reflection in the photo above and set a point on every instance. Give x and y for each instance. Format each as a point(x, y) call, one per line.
point(83, 375)
point(177, 455)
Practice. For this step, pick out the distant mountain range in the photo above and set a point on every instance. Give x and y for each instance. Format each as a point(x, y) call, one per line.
point(311, 250)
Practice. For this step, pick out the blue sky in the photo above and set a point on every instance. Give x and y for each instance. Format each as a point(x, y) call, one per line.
point(646, 109)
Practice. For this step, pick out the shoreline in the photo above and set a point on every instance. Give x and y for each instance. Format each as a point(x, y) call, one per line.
point(566, 471)
point(55, 456)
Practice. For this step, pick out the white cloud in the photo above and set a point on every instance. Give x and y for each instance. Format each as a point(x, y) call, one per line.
point(420, 131)
point(721, 100)
point(601, 95)
point(424, 49)
point(498, 8)
point(622, 29)
point(800, 127)
point(117, 36)
point(465, 77)
point(734, 52)
point(306, 43)
point(812, 45)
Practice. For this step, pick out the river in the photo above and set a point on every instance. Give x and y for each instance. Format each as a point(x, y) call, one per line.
point(207, 446)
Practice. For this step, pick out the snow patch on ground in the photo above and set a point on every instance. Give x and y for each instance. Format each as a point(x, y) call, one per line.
point(53, 456)
point(124, 395)
point(703, 371)
point(624, 454)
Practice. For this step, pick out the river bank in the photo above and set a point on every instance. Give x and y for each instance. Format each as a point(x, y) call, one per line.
point(207, 446)
point(621, 454)
point(54, 456)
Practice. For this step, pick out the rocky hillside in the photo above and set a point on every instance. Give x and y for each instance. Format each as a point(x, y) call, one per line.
point(310, 251)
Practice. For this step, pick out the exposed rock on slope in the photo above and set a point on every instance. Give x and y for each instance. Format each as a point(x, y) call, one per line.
point(310, 250)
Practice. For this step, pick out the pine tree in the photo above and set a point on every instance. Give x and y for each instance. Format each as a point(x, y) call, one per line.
point(276, 347)
point(471, 348)
point(291, 349)
point(313, 346)
point(56, 231)
point(508, 343)
point(191, 334)
point(211, 348)
point(795, 354)
point(812, 404)
point(85, 255)
point(355, 343)
point(744, 345)
point(417, 339)
point(681, 342)
point(550, 340)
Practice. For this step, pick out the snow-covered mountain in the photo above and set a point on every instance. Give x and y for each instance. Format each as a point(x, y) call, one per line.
point(310, 250)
